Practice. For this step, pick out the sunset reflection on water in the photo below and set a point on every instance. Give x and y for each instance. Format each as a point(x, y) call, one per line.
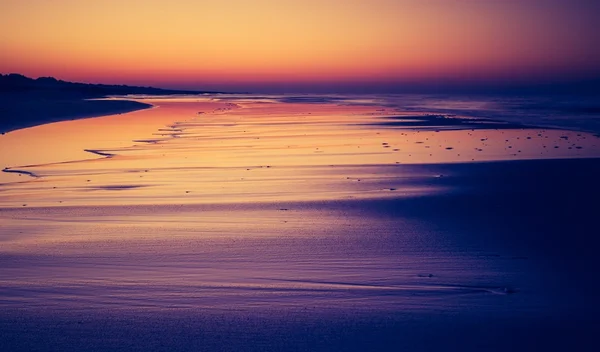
point(214, 150)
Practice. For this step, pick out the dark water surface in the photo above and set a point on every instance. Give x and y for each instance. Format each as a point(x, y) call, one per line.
point(232, 241)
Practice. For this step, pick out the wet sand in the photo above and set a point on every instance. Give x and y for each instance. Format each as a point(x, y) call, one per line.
point(297, 227)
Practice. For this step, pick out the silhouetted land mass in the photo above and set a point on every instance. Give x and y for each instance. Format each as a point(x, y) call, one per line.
point(26, 102)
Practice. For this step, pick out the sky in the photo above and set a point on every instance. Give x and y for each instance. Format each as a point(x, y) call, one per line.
point(290, 45)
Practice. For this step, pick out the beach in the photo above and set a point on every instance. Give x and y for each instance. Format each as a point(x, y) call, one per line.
point(28, 112)
point(297, 224)
point(27, 102)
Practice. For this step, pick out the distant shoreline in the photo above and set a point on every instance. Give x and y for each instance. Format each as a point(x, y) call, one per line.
point(24, 114)
point(27, 102)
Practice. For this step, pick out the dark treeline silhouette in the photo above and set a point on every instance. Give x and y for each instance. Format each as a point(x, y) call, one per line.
point(16, 83)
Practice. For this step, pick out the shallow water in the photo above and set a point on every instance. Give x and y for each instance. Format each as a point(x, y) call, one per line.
point(285, 213)
point(208, 150)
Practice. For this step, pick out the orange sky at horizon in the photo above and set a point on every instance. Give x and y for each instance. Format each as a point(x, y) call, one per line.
point(221, 43)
